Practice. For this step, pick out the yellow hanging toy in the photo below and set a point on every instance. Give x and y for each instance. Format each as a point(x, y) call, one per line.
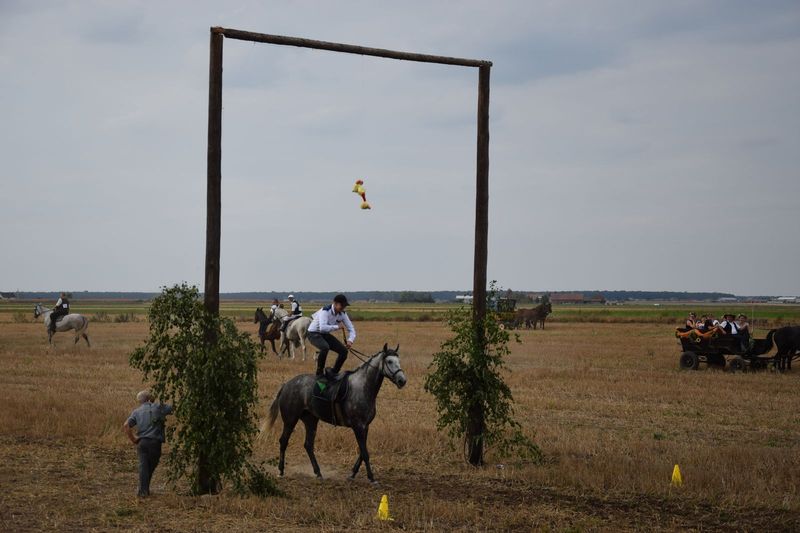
point(359, 189)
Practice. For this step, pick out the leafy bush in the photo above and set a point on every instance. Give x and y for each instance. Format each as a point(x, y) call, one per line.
point(101, 316)
point(213, 386)
point(20, 317)
point(473, 400)
point(122, 318)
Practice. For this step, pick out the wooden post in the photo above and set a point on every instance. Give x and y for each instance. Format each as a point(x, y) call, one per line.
point(214, 174)
point(208, 484)
point(481, 197)
point(476, 425)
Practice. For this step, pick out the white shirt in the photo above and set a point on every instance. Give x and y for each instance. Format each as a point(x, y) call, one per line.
point(326, 320)
point(734, 328)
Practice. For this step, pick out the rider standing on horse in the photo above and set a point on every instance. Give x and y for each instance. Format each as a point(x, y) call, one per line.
point(296, 312)
point(61, 309)
point(320, 333)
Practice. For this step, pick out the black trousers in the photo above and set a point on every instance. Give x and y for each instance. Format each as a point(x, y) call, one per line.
point(149, 451)
point(326, 342)
point(54, 316)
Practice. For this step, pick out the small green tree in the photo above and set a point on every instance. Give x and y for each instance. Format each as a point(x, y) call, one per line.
point(208, 369)
point(474, 402)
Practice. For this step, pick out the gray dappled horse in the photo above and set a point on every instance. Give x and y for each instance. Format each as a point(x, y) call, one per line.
point(67, 322)
point(357, 409)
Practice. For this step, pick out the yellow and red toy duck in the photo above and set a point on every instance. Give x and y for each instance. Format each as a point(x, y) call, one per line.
point(359, 189)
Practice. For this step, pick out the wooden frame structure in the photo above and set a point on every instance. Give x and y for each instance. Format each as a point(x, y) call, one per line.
point(214, 163)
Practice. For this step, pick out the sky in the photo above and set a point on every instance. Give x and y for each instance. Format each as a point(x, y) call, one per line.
point(640, 145)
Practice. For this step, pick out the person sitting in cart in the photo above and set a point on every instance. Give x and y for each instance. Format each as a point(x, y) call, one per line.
point(728, 325)
point(701, 324)
point(691, 322)
point(744, 328)
point(711, 322)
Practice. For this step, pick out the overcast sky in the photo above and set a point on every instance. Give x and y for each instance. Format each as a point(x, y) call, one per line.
point(634, 145)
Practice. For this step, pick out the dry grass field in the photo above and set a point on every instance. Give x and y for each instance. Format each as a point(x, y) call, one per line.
point(606, 402)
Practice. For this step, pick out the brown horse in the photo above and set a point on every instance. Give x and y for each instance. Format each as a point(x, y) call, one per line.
point(269, 326)
point(534, 316)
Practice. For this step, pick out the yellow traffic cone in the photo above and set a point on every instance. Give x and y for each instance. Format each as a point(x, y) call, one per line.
point(383, 509)
point(677, 479)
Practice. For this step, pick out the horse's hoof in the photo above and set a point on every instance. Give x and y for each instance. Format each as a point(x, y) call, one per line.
point(280, 474)
point(374, 483)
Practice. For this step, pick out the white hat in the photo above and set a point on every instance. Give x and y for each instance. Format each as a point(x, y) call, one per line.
point(290, 296)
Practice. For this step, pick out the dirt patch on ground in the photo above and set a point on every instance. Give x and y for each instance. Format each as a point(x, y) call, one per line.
point(68, 486)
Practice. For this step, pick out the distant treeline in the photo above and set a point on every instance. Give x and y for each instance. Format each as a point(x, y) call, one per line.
point(660, 295)
point(380, 296)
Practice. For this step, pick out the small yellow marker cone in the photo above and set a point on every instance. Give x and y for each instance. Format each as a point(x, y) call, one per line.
point(677, 479)
point(383, 509)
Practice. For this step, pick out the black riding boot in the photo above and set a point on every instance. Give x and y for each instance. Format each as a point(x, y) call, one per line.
point(339, 362)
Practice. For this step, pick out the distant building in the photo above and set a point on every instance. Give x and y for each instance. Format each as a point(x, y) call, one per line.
point(728, 299)
point(788, 300)
point(466, 298)
point(8, 296)
point(576, 298)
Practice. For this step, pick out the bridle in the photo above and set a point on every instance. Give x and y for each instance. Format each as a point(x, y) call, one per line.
point(367, 360)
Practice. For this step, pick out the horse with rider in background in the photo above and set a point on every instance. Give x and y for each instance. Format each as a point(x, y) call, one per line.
point(65, 322)
point(269, 325)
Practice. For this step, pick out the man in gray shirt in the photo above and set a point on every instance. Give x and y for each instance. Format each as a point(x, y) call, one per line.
point(148, 419)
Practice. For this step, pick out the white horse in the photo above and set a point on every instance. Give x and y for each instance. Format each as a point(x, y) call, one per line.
point(72, 321)
point(295, 336)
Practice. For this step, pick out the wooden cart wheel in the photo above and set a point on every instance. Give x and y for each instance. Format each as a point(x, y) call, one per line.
point(502, 326)
point(716, 361)
point(689, 361)
point(737, 364)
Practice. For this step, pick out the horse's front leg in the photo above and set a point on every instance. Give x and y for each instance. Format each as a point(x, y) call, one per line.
point(361, 433)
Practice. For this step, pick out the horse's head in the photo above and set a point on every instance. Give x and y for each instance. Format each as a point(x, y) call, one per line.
point(37, 310)
point(548, 307)
point(391, 366)
point(259, 316)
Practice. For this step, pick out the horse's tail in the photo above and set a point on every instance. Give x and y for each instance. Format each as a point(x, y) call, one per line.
point(273, 414)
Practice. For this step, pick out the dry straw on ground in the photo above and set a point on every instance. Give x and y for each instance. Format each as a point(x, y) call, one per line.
point(606, 402)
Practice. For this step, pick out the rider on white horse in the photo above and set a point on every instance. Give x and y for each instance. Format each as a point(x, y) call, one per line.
point(61, 309)
point(324, 322)
point(295, 313)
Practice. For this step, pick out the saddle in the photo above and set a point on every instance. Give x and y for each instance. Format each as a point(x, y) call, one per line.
point(327, 396)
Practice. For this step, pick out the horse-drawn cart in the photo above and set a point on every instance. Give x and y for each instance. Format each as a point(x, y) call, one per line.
point(724, 350)
point(505, 309)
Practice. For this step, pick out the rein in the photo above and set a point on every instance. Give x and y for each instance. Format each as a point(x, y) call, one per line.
point(367, 360)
